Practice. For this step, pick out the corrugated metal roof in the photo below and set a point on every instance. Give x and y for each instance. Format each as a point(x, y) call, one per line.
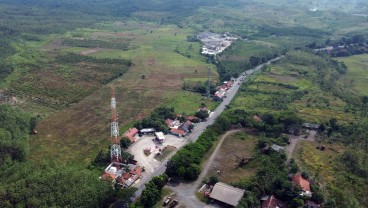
point(160, 135)
point(227, 194)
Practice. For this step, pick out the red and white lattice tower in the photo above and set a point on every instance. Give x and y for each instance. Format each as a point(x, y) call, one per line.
point(115, 151)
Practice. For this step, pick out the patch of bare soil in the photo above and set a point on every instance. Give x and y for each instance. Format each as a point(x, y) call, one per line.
point(91, 51)
point(283, 78)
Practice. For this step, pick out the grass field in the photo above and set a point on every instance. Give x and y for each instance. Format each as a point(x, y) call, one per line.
point(320, 164)
point(274, 90)
point(357, 73)
point(240, 144)
point(77, 133)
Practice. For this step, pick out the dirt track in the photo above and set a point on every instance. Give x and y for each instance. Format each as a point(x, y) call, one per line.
point(186, 191)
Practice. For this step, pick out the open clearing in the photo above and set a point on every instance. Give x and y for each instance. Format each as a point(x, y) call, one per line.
point(357, 73)
point(241, 145)
point(77, 133)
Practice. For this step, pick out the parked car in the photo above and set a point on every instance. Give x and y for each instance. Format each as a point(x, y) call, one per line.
point(174, 203)
point(167, 201)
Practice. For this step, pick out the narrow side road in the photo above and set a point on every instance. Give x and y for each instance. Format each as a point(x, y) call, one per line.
point(186, 191)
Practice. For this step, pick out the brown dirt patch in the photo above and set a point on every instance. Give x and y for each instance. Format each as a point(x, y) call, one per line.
point(283, 78)
point(227, 163)
point(90, 51)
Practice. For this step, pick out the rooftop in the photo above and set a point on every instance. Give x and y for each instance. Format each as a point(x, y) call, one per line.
point(298, 180)
point(226, 193)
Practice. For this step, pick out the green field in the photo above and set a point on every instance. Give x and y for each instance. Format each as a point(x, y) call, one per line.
point(279, 88)
point(153, 56)
point(357, 73)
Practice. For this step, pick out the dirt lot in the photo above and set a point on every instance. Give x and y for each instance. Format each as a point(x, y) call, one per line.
point(146, 142)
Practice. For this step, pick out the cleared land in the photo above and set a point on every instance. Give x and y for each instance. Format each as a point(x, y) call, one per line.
point(357, 73)
point(236, 145)
point(77, 133)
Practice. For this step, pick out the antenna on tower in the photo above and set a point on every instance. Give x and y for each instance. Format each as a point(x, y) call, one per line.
point(115, 151)
point(208, 80)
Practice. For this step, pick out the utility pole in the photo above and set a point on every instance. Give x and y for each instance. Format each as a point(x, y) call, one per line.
point(208, 80)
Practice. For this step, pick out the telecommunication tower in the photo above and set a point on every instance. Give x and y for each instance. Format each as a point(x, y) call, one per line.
point(208, 78)
point(115, 151)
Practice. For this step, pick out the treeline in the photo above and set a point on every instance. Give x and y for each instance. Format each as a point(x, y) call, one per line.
point(6, 50)
point(26, 184)
point(228, 68)
point(345, 46)
point(157, 119)
point(33, 185)
point(89, 43)
point(199, 86)
point(76, 58)
point(267, 30)
point(15, 127)
point(152, 192)
point(185, 163)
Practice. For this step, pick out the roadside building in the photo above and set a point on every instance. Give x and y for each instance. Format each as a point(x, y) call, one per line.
point(160, 136)
point(130, 134)
point(227, 194)
point(220, 95)
point(303, 183)
point(177, 132)
point(185, 126)
point(193, 119)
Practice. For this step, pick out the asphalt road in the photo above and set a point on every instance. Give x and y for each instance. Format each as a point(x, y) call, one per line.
point(201, 127)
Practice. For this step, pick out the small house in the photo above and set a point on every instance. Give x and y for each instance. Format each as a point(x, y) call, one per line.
point(177, 132)
point(130, 133)
point(185, 126)
point(303, 183)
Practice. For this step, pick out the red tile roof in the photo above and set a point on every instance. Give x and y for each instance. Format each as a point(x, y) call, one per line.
point(177, 131)
point(191, 118)
point(137, 171)
point(298, 180)
point(126, 176)
point(108, 176)
point(130, 133)
point(169, 122)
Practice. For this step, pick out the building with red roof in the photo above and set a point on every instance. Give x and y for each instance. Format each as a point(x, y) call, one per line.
point(177, 132)
point(130, 133)
point(272, 202)
point(169, 122)
point(301, 182)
